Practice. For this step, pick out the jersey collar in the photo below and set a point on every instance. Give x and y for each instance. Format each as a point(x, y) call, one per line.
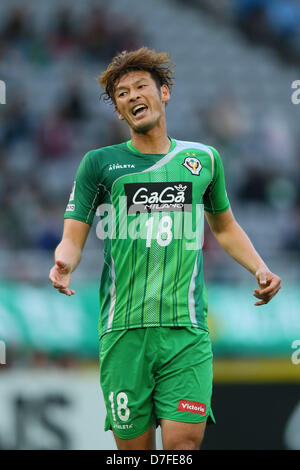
point(133, 149)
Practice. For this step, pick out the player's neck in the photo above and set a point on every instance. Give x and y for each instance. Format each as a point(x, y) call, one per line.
point(154, 141)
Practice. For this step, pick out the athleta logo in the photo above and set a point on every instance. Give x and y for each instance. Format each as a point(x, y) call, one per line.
point(192, 407)
point(123, 426)
point(154, 197)
point(117, 166)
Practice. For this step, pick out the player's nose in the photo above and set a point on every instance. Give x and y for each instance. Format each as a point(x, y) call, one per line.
point(133, 95)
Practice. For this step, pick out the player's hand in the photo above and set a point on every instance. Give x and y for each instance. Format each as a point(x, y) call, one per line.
point(60, 276)
point(269, 284)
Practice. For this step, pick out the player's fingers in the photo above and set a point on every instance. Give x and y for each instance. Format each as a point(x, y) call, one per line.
point(67, 291)
point(70, 291)
point(55, 276)
point(260, 303)
point(274, 285)
point(52, 276)
point(275, 292)
point(266, 298)
point(59, 285)
point(63, 291)
point(263, 301)
point(269, 292)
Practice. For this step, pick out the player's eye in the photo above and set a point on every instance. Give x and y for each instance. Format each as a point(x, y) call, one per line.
point(122, 94)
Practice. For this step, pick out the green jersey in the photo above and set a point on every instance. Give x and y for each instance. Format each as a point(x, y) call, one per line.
point(151, 219)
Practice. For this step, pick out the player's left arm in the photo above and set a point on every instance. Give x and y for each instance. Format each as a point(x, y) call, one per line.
point(237, 244)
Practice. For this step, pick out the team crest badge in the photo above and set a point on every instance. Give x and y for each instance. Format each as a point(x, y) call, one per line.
point(192, 164)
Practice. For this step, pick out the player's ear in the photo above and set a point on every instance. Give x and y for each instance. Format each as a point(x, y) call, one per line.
point(119, 114)
point(165, 93)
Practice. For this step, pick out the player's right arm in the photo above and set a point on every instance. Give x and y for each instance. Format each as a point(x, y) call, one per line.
point(84, 199)
point(68, 254)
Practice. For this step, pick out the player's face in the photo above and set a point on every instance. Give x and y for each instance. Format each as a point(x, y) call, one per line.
point(139, 101)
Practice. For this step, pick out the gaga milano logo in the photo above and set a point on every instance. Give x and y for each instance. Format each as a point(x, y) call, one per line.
point(153, 197)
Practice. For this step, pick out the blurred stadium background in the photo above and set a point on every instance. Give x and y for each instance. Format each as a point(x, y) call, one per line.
point(236, 62)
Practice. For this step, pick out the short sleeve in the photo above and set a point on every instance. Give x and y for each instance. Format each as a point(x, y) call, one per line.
point(86, 193)
point(215, 198)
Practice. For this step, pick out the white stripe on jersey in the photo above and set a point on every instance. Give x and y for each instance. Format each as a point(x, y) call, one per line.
point(191, 299)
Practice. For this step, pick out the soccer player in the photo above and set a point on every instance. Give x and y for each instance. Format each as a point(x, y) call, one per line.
point(155, 349)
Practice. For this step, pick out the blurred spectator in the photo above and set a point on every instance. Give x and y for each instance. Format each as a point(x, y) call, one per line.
point(271, 22)
point(17, 30)
point(48, 232)
point(274, 23)
point(63, 36)
point(252, 20)
point(73, 103)
point(223, 119)
point(55, 136)
point(102, 38)
point(17, 121)
point(124, 37)
point(95, 36)
point(254, 184)
point(19, 37)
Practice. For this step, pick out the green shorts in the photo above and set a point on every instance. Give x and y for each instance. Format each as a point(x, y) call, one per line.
point(151, 373)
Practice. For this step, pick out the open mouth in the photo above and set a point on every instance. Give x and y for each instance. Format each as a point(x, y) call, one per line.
point(139, 110)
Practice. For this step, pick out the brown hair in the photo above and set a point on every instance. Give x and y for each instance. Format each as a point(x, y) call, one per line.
point(157, 64)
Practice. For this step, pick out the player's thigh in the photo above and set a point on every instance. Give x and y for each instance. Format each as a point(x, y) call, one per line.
point(145, 441)
point(184, 382)
point(184, 436)
point(127, 383)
